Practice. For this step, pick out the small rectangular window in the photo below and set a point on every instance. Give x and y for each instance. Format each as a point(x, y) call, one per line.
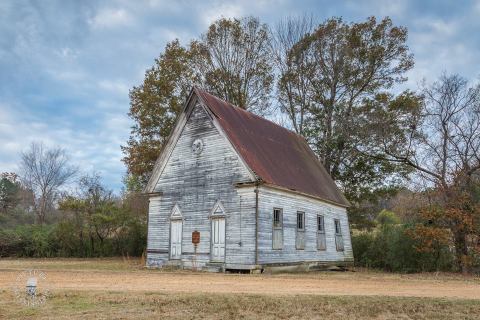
point(277, 218)
point(321, 239)
point(320, 226)
point(338, 229)
point(338, 235)
point(300, 220)
point(277, 235)
point(300, 238)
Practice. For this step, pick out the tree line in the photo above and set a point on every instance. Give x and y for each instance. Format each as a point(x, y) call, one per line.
point(51, 210)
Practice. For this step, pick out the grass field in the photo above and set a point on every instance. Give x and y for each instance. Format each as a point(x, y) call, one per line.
point(122, 289)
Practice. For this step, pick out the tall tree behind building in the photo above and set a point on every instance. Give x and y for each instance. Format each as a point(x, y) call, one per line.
point(231, 60)
point(339, 73)
point(235, 62)
point(292, 82)
point(154, 106)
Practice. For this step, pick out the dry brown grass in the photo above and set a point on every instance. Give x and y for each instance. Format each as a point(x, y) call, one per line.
point(122, 289)
point(116, 305)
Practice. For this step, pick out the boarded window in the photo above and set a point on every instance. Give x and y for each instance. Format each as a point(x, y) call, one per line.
point(277, 237)
point(300, 238)
point(300, 221)
point(338, 235)
point(321, 240)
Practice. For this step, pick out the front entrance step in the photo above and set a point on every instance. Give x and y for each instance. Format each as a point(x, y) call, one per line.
point(214, 267)
point(173, 265)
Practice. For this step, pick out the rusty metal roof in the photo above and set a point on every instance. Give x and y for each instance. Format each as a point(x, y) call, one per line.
point(276, 155)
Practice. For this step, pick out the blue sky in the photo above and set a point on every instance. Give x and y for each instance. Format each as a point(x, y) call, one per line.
point(66, 66)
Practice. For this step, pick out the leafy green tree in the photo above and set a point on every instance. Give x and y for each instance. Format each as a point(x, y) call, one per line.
point(154, 106)
point(341, 75)
point(386, 217)
point(101, 221)
point(231, 60)
point(9, 187)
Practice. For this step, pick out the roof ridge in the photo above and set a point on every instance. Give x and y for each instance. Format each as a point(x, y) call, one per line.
point(250, 113)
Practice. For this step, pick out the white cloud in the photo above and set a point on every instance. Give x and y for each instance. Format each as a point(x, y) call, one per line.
point(67, 53)
point(91, 149)
point(439, 28)
point(222, 10)
point(236, 9)
point(115, 86)
point(166, 5)
point(379, 8)
point(476, 6)
point(439, 45)
point(108, 18)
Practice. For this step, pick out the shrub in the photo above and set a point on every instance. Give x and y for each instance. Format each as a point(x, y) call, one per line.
point(65, 239)
point(361, 244)
point(10, 243)
point(386, 217)
point(390, 247)
point(27, 241)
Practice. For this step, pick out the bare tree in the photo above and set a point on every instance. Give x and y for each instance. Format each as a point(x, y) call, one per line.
point(451, 134)
point(45, 171)
point(233, 56)
point(292, 83)
point(333, 77)
point(444, 140)
point(444, 149)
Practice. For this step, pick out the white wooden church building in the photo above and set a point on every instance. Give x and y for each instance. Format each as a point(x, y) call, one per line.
point(253, 192)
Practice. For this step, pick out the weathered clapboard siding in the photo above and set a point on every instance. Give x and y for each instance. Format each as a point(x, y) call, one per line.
point(195, 183)
point(160, 254)
point(242, 227)
point(291, 203)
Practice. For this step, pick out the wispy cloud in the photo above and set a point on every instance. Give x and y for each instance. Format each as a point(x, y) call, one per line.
point(67, 66)
point(110, 18)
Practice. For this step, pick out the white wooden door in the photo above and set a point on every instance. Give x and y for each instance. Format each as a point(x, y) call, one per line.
point(176, 239)
point(218, 239)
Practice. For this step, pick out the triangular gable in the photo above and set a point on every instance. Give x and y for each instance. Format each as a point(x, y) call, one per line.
point(176, 213)
point(172, 140)
point(218, 210)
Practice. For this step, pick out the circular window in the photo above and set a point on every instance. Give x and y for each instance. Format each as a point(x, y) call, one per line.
point(197, 146)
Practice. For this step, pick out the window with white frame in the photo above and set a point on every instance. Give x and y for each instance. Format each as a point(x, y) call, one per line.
point(338, 235)
point(300, 237)
point(277, 236)
point(321, 239)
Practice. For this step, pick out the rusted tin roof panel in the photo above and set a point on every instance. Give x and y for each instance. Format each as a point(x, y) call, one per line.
point(276, 155)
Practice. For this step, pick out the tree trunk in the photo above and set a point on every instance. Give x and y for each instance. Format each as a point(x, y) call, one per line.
point(41, 211)
point(461, 251)
point(92, 243)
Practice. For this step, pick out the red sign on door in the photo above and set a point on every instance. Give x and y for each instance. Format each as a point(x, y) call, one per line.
point(195, 237)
